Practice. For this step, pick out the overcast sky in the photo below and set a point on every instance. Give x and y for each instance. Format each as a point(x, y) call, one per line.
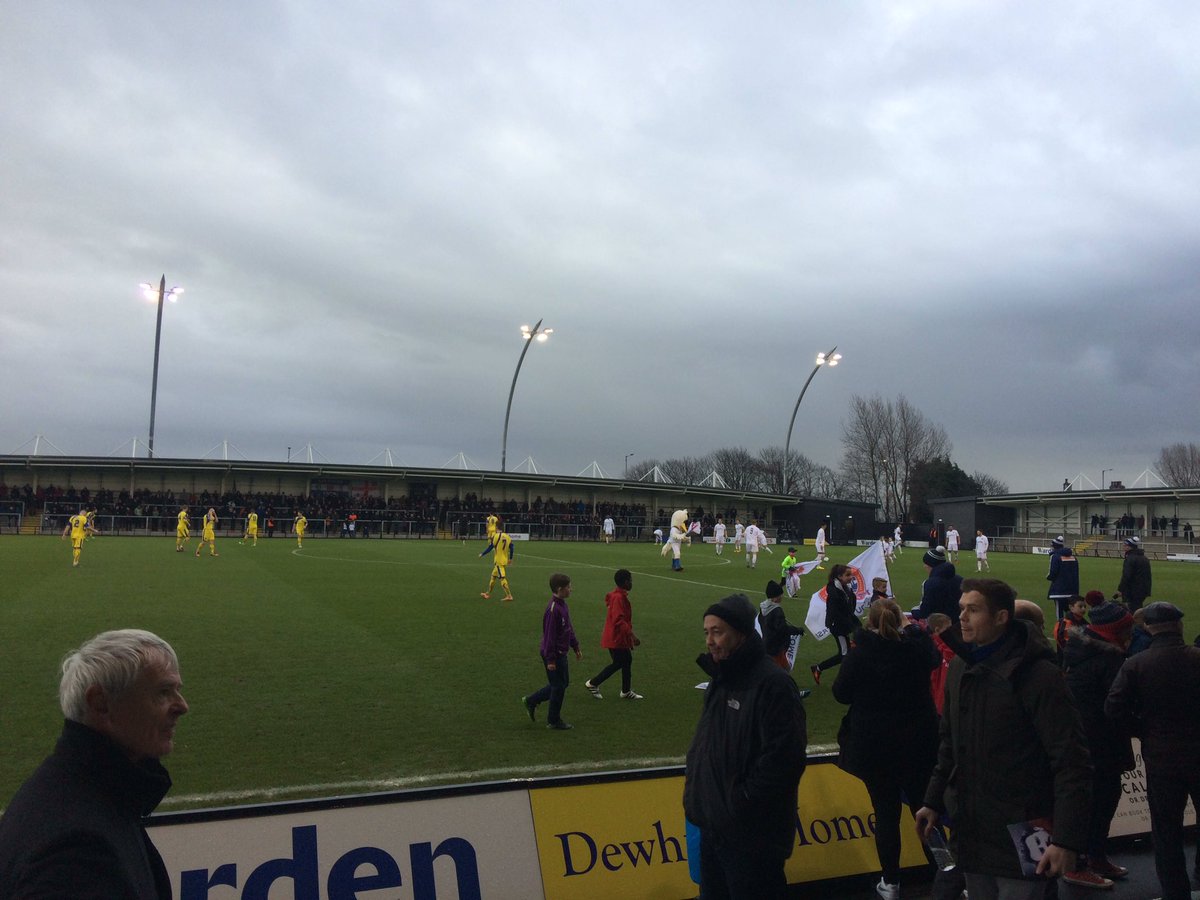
point(991, 208)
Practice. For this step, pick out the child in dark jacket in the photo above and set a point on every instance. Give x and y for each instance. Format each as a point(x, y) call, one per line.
point(777, 631)
point(1076, 617)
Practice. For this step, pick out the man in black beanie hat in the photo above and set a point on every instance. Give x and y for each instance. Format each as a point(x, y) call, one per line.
point(745, 761)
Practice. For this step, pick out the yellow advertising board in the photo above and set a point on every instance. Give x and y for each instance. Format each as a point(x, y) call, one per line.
point(626, 839)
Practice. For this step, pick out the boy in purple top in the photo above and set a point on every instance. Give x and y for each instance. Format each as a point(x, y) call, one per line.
point(557, 638)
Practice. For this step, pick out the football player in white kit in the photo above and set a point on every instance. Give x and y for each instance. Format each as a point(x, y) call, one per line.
point(719, 536)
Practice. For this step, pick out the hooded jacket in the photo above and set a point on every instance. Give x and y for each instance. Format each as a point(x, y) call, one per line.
point(74, 829)
point(748, 753)
point(1011, 749)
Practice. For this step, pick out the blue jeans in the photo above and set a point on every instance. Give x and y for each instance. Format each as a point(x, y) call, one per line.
point(556, 688)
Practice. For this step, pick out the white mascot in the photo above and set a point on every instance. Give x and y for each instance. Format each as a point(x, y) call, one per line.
point(677, 537)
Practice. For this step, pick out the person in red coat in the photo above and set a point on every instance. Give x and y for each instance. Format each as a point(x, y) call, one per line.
point(618, 639)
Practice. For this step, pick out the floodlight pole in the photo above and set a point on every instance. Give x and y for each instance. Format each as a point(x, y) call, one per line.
point(627, 455)
point(163, 293)
point(530, 335)
point(830, 358)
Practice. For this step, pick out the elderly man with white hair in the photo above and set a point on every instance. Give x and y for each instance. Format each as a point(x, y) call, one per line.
point(74, 829)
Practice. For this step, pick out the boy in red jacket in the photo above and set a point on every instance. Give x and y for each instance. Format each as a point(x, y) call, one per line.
point(618, 638)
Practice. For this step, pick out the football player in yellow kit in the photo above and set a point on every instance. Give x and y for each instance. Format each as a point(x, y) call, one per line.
point(80, 527)
point(209, 533)
point(182, 530)
point(493, 525)
point(251, 529)
point(502, 544)
point(299, 524)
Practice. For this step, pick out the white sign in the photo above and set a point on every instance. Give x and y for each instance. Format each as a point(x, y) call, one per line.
point(446, 848)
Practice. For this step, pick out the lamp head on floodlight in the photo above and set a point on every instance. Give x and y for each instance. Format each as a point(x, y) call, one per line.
point(151, 292)
point(827, 359)
point(541, 334)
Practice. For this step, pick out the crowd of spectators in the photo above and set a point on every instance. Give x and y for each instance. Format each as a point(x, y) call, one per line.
point(157, 510)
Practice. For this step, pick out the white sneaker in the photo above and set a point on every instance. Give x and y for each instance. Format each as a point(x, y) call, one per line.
point(593, 690)
point(887, 891)
point(631, 695)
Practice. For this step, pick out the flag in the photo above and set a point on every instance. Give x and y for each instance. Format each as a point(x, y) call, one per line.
point(866, 567)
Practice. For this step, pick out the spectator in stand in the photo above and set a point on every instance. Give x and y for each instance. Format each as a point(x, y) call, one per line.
point(1095, 652)
point(1156, 695)
point(889, 737)
point(1135, 584)
point(1064, 580)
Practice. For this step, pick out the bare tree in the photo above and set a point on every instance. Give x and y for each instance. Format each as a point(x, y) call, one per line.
point(803, 475)
point(687, 469)
point(737, 466)
point(883, 442)
point(989, 485)
point(1179, 465)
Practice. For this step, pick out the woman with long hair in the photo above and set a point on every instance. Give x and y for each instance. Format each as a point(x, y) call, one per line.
point(889, 737)
point(840, 619)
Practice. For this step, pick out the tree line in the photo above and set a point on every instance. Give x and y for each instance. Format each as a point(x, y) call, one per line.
point(892, 455)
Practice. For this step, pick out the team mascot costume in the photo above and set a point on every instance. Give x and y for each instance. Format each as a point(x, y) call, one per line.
point(677, 537)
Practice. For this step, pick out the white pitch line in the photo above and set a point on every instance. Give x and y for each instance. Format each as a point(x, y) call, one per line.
point(411, 781)
point(442, 778)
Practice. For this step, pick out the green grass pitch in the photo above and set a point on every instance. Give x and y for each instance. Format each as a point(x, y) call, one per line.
point(356, 666)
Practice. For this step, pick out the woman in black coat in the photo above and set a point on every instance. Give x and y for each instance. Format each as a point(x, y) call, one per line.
point(889, 738)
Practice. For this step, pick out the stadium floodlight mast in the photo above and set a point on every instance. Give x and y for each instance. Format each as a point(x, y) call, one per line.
point(627, 455)
point(160, 293)
point(832, 358)
point(529, 335)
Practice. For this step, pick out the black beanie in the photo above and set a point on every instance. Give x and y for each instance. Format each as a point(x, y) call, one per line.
point(935, 557)
point(736, 610)
point(774, 590)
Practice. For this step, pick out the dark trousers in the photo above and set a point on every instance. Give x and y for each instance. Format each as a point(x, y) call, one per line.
point(1168, 795)
point(728, 873)
point(621, 660)
point(555, 689)
point(843, 647)
point(1106, 795)
point(885, 790)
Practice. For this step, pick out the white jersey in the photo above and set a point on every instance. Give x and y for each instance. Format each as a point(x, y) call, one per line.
point(719, 533)
point(739, 531)
point(952, 539)
point(821, 539)
point(981, 545)
point(609, 525)
point(897, 535)
point(754, 536)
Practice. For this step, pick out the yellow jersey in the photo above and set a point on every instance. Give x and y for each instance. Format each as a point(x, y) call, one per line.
point(503, 544)
point(79, 526)
point(252, 522)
